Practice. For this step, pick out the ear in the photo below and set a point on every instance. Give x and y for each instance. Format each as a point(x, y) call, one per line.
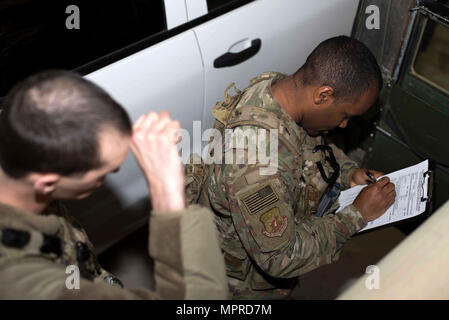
point(45, 183)
point(323, 95)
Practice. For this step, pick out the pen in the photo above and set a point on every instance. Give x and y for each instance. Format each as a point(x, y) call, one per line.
point(370, 176)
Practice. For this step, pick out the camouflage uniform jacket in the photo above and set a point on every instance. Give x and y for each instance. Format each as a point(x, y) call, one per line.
point(35, 251)
point(267, 229)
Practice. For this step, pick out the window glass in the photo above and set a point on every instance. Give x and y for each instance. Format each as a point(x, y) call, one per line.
point(214, 4)
point(34, 35)
point(432, 58)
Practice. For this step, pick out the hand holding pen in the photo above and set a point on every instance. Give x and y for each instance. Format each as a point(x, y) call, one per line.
point(363, 176)
point(371, 177)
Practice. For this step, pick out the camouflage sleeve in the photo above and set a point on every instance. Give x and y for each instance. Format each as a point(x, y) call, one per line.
point(188, 265)
point(263, 209)
point(346, 166)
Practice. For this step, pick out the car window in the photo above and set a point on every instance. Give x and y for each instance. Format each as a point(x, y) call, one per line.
point(433, 54)
point(34, 35)
point(214, 4)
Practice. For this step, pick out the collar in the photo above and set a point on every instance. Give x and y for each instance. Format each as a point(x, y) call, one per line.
point(276, 107)
point(15, 218)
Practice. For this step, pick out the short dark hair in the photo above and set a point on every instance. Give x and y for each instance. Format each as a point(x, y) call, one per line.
point(345, 64)
point(50, 122)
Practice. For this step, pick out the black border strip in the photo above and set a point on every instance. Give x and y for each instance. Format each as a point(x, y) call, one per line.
point(159, 37)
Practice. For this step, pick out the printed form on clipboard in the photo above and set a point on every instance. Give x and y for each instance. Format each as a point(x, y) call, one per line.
point(412, 188)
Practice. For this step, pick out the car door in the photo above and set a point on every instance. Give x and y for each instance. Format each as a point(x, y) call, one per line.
point(135, 50)
point(153, 79)
point(246, 38)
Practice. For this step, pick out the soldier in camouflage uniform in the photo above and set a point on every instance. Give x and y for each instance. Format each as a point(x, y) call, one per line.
point(35, 251)
point(53, 115)
point(268, 232)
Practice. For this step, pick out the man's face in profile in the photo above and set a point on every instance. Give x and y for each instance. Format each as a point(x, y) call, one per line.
point(113, 151)
point(321, 119)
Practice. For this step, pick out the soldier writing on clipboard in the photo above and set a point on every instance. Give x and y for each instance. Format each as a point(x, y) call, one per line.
point(268, 229)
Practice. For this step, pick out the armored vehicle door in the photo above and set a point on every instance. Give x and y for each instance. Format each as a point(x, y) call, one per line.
point(411, 121)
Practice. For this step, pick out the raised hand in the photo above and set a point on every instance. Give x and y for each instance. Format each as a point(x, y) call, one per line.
point(154, 147)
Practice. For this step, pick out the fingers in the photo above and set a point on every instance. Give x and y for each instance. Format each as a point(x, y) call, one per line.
point(154, 147)
point(375, 199)
point(151, 119)
point(390, 198)
point(139, 121)
point(147, 120)
point(142, 125)
point(389, 188)
point(161, 125)
point(165, 114)
point(388, 194)
point(156, 124)
point(382, 182)
point(377, 174)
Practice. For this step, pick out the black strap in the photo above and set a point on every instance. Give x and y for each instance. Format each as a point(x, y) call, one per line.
point(83, 252)
point(51, 244)
point(19, 239)
point(15, 238)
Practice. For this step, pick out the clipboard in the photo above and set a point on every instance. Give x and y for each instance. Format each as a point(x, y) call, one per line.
point(428, 180)
point(428, 176)
point(414, 190)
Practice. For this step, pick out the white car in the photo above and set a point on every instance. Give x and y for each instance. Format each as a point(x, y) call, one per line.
point(175, 55)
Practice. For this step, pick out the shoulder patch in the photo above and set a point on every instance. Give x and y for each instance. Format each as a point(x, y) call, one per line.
point(268, 218)
point(274, 223)
point(260, 199)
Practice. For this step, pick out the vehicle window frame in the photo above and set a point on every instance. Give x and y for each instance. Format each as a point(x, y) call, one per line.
point(412, 82)
point(157, 38)
point(154, 39)
point(415, 55)
point(220, 6)
point(103, 60)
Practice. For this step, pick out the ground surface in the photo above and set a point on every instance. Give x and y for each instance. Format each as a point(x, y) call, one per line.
point(129, 261)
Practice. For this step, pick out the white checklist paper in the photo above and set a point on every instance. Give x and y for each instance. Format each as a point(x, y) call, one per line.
point(410, 185)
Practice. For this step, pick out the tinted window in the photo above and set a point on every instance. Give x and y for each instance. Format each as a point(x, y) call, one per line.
point(432, 59)
point(213, 4)
point(34, 36)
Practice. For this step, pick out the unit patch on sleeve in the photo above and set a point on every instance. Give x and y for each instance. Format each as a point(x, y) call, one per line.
point(274, 223)
point(268, 217)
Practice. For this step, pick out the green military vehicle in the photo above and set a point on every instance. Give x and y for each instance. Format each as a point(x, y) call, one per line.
point(410, 122)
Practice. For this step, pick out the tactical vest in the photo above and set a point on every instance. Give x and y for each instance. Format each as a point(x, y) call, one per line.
point(310, 184)
point(69, 247)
